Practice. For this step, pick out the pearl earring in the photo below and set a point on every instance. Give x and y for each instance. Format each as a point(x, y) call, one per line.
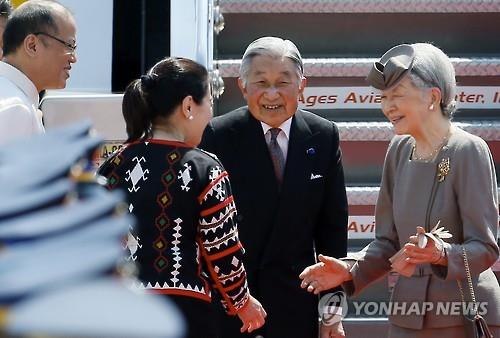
point(431, 107)
point(190, 117)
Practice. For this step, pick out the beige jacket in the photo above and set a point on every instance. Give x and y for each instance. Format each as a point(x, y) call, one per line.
point(466, 203)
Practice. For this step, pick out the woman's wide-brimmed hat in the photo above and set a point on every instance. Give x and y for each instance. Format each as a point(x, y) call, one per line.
point(392, 67)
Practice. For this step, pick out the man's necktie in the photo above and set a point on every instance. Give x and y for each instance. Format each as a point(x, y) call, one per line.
point(276, 154)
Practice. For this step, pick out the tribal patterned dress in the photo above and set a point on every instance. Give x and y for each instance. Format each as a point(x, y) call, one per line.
point(186, 240)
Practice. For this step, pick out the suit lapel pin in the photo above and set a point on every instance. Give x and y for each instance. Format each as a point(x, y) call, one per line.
point(311, 151)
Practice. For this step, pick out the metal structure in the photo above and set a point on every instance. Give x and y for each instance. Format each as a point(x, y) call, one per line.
point(359, 67)
point(359, 6)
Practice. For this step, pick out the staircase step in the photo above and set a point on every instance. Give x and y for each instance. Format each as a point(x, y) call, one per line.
point(362, 195)
point(365, 195)
point(366, 327)
point(325, 35)
point(383, 131)
point(359, 67)
point(364, 145)
point(358, 6)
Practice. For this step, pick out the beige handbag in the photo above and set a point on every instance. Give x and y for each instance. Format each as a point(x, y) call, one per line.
point(475, 325)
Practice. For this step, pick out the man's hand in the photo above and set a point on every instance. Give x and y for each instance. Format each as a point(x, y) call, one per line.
point(252, 315)
point(327, 274)
point(332, 331)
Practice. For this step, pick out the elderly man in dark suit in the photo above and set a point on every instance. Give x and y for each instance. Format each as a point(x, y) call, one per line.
point(286, 172)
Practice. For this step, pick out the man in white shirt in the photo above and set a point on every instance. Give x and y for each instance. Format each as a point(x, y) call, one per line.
point(39, 49)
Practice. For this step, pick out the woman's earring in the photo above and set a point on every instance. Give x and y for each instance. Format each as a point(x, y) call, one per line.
point(190, 117)
point(431, 107)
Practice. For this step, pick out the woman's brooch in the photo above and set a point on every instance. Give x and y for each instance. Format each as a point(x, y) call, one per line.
point(443, 169)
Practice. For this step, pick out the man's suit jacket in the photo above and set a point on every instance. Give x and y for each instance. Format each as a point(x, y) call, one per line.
point(281, 228)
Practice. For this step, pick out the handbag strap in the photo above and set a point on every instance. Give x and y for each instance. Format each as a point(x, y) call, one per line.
point(469, 281)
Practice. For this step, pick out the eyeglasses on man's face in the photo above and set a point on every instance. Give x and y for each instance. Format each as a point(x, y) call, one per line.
point(71, 46)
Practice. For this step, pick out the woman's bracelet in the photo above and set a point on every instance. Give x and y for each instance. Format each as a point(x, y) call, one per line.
point(442, 254)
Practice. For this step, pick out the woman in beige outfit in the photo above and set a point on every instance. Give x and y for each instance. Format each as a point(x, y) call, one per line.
point(433, 172)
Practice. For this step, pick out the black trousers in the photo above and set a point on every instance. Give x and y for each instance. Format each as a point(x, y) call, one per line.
point(199, 316)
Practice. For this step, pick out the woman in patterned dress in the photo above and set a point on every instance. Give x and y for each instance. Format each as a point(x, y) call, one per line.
point(186, 242)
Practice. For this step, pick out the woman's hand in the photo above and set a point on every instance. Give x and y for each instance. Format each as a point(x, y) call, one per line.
point(252, 315)
point(327, 274)
point(432, 252)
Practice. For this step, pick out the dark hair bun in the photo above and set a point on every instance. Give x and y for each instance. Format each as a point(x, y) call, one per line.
point(148, 80)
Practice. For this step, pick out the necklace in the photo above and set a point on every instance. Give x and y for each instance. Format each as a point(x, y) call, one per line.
point(429, 157)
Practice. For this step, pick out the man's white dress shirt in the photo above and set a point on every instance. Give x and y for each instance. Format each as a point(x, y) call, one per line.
point(19, 114)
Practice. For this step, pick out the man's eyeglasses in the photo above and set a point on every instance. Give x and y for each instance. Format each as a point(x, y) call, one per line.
point(70, 46)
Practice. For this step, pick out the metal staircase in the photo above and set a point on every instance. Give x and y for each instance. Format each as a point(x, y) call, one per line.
point(340, 40)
